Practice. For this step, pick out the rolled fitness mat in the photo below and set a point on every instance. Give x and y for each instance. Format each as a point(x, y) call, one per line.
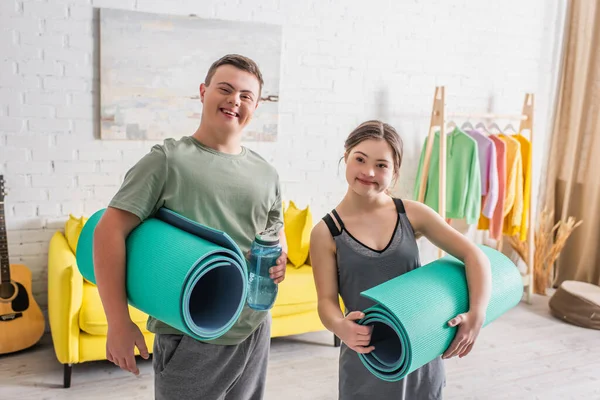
point(187, 275)
point(411, 314)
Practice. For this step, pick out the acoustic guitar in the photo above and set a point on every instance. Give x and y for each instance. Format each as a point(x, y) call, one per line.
point(21, 320)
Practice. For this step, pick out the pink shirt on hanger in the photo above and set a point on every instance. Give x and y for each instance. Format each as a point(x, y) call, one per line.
point(494, 224)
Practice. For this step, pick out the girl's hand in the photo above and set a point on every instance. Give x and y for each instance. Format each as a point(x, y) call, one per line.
point(469, 324)
point(356, 336)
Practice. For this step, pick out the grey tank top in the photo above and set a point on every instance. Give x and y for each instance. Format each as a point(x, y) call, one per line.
point(360, 268)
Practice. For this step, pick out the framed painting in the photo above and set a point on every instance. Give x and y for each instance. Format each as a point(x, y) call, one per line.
point(152, 65)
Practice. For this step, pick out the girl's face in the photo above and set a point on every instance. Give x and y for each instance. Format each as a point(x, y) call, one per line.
point(370, 167)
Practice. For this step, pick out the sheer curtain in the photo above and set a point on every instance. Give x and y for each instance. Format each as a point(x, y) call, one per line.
point(573, 179)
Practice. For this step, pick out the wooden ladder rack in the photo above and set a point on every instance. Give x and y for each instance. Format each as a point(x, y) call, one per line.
point(439, 121)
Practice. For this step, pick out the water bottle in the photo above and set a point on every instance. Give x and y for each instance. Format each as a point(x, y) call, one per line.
point(264, 252)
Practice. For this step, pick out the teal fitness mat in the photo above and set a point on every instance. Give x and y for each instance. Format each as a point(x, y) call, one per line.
point(410, 318)
point(190, 276)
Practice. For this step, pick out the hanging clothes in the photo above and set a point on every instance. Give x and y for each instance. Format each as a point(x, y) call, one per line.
point(513, 204)
point(495, 223)
point(489, 172)
point(526, 157)
point(463, 177)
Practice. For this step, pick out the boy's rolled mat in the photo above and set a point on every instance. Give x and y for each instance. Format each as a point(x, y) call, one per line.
point(187, 275)
point(410, 319)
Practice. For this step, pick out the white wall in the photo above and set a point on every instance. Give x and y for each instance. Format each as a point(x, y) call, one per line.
point(342, 63)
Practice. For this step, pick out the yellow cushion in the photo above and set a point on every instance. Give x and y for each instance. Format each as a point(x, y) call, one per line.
point(73, 228)
point(298, 225)
point(293, 309)
point(91, 315)
point(296, 324)
point(298, 287)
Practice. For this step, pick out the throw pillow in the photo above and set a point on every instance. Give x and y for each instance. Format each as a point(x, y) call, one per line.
point(73, 228)
point(298, 225)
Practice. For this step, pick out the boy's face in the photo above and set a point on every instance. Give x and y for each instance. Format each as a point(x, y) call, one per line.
point(230, 99)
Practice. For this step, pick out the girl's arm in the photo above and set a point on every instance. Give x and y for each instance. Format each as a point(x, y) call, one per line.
point(324, 267)
point(427, 222)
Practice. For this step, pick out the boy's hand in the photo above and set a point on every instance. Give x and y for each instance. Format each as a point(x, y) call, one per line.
point(356, 336)
point(277, 272)
point(120, 345)
point(469, 324)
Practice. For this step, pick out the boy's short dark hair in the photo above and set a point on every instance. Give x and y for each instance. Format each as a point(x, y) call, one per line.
point(238, 61)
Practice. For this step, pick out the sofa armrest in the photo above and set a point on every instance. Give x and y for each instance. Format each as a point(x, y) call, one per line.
point(65, 291)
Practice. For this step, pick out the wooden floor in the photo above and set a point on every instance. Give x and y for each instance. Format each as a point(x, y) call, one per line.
point(526, 354)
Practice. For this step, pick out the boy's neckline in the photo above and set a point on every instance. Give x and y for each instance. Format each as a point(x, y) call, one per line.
point(198, 143)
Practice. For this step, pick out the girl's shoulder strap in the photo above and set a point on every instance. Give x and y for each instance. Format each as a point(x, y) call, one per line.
point(333, 229)
point(399, 206)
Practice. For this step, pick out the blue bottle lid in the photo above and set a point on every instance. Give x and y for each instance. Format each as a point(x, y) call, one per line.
point(270, 237)
point(267, 239)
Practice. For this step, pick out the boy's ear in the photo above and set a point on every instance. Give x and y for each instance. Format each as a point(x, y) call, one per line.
point(202, 91)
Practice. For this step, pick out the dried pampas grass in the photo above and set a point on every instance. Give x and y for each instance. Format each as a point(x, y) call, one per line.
point(549, 241)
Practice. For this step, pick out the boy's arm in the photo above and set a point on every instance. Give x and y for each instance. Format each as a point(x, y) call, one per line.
point(110, 235)
point(137, 198)
point(275, 215)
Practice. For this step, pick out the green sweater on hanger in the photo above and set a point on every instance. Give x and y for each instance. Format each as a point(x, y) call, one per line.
point(463, 177)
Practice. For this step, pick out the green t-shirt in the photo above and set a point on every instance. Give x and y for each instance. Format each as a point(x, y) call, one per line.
point(237, 194)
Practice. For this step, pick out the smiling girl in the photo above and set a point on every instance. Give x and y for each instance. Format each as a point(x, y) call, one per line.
point(369, 238)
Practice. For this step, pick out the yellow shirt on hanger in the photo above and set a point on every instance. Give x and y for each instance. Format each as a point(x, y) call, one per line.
point(526, 157)
point(513, 203)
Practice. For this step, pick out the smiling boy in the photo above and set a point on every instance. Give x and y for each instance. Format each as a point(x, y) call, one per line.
point(208, 177)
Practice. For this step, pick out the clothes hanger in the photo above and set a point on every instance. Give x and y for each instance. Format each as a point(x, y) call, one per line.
point(482, 126)
point(467, 125)
point(510, 127)
point(495, 125)
point(450, 126)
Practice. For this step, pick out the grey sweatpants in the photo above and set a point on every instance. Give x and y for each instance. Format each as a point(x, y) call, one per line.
point(185, 368)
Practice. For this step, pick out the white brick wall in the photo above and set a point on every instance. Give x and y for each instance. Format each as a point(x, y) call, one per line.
point(343, 62)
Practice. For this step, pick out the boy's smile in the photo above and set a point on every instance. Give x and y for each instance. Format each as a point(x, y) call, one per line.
point(230, 114)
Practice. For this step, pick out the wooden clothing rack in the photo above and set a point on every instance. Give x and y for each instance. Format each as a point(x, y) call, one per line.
point(439, 120)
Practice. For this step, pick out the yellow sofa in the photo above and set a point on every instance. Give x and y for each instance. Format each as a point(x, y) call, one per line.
point(78, 323)
point(77, 320)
